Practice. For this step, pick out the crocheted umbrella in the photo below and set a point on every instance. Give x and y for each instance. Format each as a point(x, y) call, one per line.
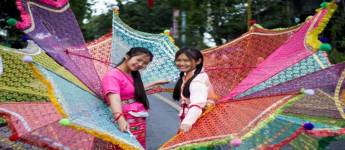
point(161, 45)
point(109, 50)
point(30, 86)
point(229, 64)
point(52, 26)
point(38, 124)
point(5, 143)
point(31, 120)
point(304, 122)
point(261, 74)
point(18, 81)
point(273, 64)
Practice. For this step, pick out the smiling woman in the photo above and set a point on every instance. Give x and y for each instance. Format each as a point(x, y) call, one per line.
point(194, 89)
point(124, 92)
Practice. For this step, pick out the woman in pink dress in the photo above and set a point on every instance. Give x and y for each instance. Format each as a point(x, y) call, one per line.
point(193, 89)
point(124, 92)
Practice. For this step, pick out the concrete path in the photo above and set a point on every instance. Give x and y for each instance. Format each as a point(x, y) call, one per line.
point(162, 124)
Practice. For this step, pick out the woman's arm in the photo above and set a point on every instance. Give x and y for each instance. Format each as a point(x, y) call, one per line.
point(116, 108)
point(159, 82)
point(198, 98)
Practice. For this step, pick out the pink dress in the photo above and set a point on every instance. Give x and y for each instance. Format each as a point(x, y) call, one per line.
point(117, 82)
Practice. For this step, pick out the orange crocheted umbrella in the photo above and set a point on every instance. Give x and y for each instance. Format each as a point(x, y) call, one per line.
point(258, 76)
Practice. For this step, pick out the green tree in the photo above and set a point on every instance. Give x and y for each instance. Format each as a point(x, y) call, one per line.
point(98, 26)
point(335, 32)
point(136, 14)
point(9, 36)
point(82, 11)
point(140, 17)
point(228, 20)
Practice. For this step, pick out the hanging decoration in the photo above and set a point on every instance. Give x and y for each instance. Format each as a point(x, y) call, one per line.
point(150, 3)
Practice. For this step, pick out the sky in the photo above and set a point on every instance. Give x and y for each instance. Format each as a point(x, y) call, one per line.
point(100, 6)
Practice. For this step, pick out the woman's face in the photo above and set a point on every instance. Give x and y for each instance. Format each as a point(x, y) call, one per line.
point(138, 62)
point(185, 64)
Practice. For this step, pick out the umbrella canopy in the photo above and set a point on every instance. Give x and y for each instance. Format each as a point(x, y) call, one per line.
point(266, 123)
point(85, 111)
point(5, 143)
point(38, 124)
point(161, 46)
point(53, 27)
point(261, 83)
point(31, 119)
point(289, 128)
point(275, 69)
point(291, 53)
point(226, 120)
point(227, 65)
point(18, 82)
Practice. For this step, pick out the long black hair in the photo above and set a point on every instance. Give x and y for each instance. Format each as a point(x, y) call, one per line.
point(196, 55)
point(140, 94)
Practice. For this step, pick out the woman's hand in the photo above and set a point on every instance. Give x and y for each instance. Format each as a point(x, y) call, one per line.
point(185, 127)
point(123, 124)
point(159, 82)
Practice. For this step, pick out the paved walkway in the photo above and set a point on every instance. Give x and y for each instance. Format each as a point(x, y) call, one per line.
point(162, 123)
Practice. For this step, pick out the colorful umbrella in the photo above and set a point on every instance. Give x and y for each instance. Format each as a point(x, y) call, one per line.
point(52, 26)
point(38, 124)
point(263, 79)
point(31, 119)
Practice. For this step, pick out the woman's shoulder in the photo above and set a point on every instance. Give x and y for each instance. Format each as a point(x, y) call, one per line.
point(114, 73)
point(201, 77)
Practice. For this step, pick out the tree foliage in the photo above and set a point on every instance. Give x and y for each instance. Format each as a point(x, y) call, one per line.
point(10, 36)
point(335, 31)
point(97, 26)
point(82, 11)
